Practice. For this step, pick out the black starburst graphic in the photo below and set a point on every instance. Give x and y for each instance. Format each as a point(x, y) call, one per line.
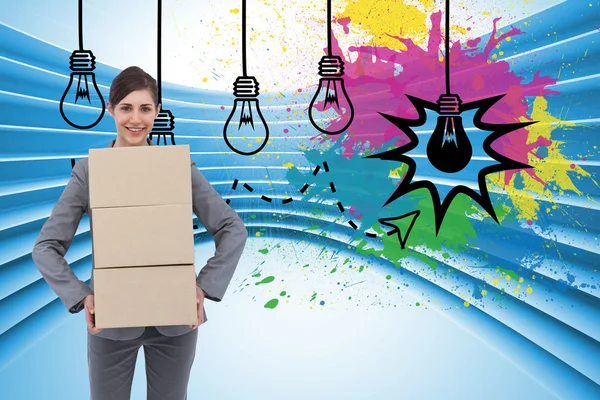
point(441, 207)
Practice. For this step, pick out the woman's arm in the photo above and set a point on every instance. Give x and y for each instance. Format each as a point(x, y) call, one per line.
point(229, 233)
point(55, 239)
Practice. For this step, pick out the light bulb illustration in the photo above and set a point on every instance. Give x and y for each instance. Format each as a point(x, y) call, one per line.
point(164, 124)
point(330, 109)
point(82, 89)
point(449, 148)
point(331, 101)
point(245, 132)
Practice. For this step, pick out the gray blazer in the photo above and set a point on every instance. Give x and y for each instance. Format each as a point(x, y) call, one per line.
point(56, 236)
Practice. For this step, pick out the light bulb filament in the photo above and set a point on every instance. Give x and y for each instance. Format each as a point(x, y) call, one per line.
point(246, 116)
point(83, 92)
point(331, 96)
point(450, 135)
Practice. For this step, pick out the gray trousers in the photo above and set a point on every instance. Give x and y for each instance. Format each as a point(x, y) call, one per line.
point(168, 364)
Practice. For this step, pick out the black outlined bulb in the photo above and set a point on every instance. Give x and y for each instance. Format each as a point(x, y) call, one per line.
point(449, 148)
point(246, 131)
point(82, 90)
point(331, 102)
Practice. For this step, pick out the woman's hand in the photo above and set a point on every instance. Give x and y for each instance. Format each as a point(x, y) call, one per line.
point(200, 306)
point(90, 318)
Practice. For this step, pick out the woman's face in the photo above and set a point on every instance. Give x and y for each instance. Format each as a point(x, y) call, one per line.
point(134, 117)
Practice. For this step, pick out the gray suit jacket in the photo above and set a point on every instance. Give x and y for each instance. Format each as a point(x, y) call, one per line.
point(56, 236)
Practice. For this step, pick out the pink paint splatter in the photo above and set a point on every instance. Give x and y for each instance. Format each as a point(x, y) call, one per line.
point(344, 22)
point(374, 86)
point(285, 130)
point(352, 211)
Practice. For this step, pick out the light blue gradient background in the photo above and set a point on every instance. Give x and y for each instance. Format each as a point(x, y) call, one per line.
point(377, 346)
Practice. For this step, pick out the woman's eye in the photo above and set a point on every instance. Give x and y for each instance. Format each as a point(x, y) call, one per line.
point(146, 109)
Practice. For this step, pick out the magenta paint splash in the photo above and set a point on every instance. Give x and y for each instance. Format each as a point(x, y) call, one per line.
point(379, 78)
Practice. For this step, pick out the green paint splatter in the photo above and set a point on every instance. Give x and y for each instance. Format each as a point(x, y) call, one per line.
point(361, 268)
point(333, 270)
point(253, 216)
point(257, 275)
point(263, 251)
point(314, 296)
point(305, 265)
point(346, 261)
point(272, 303)
point(509, 272)
point(282, 293)
point(388, 277)
point(268, 279)
point(418, 304)
point(311, 228)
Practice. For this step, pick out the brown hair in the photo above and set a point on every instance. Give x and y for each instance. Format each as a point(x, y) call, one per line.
point(130, 79)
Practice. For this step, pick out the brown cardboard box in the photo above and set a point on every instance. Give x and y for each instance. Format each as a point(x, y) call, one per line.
point(140, 176)
point(143, 236)
point(141, 201)
point(146, 296)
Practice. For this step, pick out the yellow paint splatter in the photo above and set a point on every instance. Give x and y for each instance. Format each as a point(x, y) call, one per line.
point(555, 170)
point(257, 234)
point(235, 11)
point(495, 281)
point(204, 80)
point(382, 19)
point(529, 290)
point(467, 304)
point(289, 165)
point(484, 292)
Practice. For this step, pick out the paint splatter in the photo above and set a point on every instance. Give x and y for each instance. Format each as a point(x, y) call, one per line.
point(268, 279)
point(272, 303)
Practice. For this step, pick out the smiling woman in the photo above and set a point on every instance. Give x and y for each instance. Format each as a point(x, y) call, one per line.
point(133, 104)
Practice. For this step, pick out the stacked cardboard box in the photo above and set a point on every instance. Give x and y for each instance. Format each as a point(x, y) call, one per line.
point(142, 236)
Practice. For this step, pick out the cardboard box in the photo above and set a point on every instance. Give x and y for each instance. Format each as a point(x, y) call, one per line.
point(140, 176)
point(146, 296)
point(141, 222)
point(143, 236)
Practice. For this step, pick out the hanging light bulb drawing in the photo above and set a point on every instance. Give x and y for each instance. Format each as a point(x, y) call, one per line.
point(82, 89)
point(449, 148)
point(331, 102)
point(164, 123)
point(246, 132)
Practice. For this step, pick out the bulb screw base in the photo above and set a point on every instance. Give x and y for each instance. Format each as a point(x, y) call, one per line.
point(449, 104)
point(164, 122)
point(82, 61)
point(331, 66)
point(245, 86)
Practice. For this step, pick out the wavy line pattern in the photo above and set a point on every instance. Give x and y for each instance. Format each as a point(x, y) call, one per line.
point(559, 325)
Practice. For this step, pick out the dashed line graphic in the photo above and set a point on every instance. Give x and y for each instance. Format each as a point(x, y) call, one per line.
point(393, 222)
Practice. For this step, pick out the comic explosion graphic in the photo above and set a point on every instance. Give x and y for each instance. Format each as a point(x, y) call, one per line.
point(449, 150)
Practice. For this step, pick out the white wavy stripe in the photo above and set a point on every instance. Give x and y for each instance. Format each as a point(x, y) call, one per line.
point(548, 46)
